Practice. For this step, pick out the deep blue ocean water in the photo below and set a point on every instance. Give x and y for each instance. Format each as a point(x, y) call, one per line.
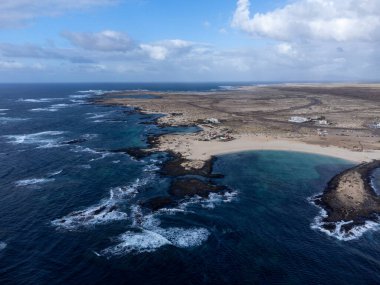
point(70, 214)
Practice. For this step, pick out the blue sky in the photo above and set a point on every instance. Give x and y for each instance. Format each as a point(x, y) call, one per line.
point(198, 40)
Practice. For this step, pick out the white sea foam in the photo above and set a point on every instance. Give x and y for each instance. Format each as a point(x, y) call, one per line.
point(40, 100)
point(144, 241)
point(46, 139)
point(150, 240)
point(184, 238)
point(100, 115)
point(33, 181)
point(82, 96)
point(97, 92)
point(105, 212)
point(213, 200)
point(4, 110)
point(3, 245)
point(151, 168)
point(78, 102)
point(100, 214)
point(54, 173)
point(4, 120)
point(52, 108)
point(47, 109)
point(60, 105)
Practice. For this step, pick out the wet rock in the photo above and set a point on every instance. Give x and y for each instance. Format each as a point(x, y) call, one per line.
point(135, 152)
point(189, 187)
point(158, 203)
point(174, 167)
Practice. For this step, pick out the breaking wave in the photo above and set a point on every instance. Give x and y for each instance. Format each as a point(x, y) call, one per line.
point(108, 210)
point(149, 236)
point(46, 139)
point(4, 120)
point(41, 100)
point(337, 230)
point(33, 181)
point(213, 200)
point(52, 108)
point(3, 245)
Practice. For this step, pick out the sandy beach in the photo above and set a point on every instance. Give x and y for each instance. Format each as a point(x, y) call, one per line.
point(193, 149)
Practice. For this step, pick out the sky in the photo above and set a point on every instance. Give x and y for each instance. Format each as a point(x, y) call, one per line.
point(189, 40)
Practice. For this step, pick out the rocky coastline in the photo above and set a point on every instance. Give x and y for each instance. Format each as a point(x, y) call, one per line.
point(350, 199)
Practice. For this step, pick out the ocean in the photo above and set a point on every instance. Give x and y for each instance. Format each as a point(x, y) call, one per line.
point(70, 206)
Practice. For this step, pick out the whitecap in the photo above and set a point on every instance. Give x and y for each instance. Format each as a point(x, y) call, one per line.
point(33, 181)
point(99, 115)
point(60, 105)
point(48, 109)
point(3, 245)
point(4, 110)
point(54, 173)
point(78, 102)
point(80, 96)
point(12, 119)
point(97, 92)
point(43, 139)
point(40, 100)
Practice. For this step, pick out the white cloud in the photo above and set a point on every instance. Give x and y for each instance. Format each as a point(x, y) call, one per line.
point(14, 13)
point(328, 20)
point(161, 50)
point(10, 64)
point(155, 51)
point(286, 49)
point(103, 41)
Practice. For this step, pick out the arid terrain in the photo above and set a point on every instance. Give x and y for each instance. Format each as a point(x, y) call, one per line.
point(340, 118)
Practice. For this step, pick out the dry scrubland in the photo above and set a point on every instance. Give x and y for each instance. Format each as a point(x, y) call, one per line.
point(250, 118)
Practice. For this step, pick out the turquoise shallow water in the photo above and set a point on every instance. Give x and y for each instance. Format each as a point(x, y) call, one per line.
point(69, 213)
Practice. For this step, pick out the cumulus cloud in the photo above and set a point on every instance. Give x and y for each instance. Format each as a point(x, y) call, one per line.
point(14, 13)
point(103, 41)
point(161, 50)
point(327, 20)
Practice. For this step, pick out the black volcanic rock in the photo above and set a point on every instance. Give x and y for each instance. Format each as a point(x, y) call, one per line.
point(189, 187)
point(158, 203)
point(135, 152)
